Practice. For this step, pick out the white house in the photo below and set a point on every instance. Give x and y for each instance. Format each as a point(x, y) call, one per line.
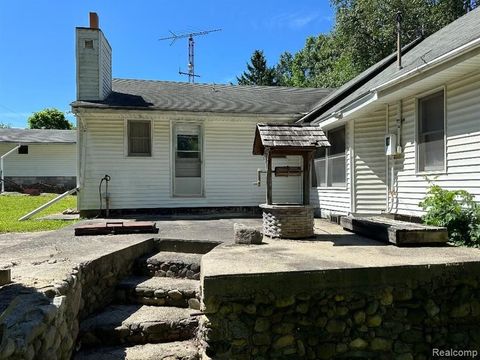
point(391, 128)
point(33, 158)
point(168, 145)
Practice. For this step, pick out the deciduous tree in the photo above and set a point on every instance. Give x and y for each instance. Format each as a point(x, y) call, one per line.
point(49, 119)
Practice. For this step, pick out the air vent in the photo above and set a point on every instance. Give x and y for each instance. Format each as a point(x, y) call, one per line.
point(88, 44)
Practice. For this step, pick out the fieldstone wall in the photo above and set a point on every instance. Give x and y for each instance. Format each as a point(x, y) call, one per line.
point(44, 324)
point(384, 313)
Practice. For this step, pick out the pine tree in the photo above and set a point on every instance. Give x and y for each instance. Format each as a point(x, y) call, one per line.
point(258, 73)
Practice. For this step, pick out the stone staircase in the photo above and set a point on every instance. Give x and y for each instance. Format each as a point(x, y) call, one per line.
point(151, 317)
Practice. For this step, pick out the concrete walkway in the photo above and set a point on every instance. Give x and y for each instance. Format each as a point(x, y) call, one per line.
point(40, 258)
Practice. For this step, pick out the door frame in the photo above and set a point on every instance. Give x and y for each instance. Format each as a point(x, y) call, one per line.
point(173, 141)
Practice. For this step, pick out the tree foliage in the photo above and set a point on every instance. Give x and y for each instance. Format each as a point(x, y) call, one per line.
point(257, 73)
point(49, 119)
point(363, 34)
point(4, 126)
point(367, 28)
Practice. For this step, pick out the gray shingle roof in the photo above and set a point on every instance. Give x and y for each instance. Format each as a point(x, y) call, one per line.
point(34, 136)
point(288, 136)
point(458, 33)
point(178, 96)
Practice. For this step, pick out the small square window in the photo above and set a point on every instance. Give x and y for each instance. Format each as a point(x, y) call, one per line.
point(88, 44)
point(23, 149)
point(139, 138)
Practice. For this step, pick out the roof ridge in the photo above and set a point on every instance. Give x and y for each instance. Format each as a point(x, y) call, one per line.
point(225, 85)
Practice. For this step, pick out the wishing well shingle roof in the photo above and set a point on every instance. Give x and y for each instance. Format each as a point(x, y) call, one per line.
point(287, 136)
point(33, 136)
point(178, 96)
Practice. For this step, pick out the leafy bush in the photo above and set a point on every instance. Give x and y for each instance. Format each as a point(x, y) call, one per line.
point(457, 211)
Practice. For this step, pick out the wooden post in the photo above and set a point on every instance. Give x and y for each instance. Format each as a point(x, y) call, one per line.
point(269, 176)
point(306, 178)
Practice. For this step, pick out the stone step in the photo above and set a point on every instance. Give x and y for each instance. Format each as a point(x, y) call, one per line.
point(171, 264)
point(137, 324)
point(179, 350)
point(159, 291)
point(394, 231)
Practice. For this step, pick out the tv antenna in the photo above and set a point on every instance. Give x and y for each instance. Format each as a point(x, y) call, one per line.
point(191, 50)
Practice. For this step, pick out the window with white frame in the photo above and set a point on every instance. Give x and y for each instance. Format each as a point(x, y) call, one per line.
point(431, 132)
point(329, 163)
point(139, 138)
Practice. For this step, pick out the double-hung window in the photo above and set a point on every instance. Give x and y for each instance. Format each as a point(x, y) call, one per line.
point(431, 132)
point(139, 138)
point(329, 163)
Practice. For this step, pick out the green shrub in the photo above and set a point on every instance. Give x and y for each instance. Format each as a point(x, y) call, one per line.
point(457, 211)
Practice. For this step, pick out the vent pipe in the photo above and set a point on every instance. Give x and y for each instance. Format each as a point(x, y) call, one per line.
point(399, 39)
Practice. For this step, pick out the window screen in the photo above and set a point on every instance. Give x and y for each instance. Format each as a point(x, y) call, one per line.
point(329, 163)
point(431, 132)
point(139, 138)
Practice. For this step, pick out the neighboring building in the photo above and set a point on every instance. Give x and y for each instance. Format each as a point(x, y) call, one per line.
point(430, 106)
point(175, 145)
point(46, 159)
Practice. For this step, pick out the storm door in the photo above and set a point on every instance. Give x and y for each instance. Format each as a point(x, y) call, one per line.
point(188, 160)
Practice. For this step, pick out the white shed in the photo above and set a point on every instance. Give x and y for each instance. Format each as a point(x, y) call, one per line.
point(44, 159)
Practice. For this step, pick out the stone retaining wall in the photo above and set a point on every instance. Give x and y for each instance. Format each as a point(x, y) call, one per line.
point(51, 184)
point(384, 313)
point(44, 325)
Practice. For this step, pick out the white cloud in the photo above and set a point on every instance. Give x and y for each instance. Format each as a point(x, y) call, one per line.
point(295, 20)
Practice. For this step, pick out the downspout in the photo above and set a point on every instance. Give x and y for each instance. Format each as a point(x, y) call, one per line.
point(387, 162)
point(2, 172)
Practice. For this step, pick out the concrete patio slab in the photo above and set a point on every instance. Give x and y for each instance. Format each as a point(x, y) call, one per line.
point(332, 248)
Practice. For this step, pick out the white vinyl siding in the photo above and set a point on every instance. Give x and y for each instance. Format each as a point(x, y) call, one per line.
point(230, 169)
point(462, 147)
point(335, 199)
point(41, 160)
point(370, 186)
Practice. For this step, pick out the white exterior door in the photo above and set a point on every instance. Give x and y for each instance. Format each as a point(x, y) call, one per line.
point(187, 148)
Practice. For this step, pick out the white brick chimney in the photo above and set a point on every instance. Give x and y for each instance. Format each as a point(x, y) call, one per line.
point(94, 62)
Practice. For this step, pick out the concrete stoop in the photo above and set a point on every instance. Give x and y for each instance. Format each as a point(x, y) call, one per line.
point(152, 317)
point(178, 350)
point(394, 231)
point(158, 291)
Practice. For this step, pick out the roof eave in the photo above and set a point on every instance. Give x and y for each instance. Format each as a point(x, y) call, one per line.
point(341, 115)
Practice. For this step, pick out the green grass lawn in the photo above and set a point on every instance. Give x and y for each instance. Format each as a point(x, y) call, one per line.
point(13, 207)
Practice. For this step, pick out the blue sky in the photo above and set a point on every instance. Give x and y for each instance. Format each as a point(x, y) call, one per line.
point(37, 61)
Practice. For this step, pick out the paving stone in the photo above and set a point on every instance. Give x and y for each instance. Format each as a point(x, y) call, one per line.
point(180, 350)
point(138, 324)
point(158, 290)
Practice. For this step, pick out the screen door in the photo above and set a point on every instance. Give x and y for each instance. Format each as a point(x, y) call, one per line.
point(188, 160)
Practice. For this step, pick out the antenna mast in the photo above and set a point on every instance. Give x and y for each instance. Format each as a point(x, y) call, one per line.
point(191, 50)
